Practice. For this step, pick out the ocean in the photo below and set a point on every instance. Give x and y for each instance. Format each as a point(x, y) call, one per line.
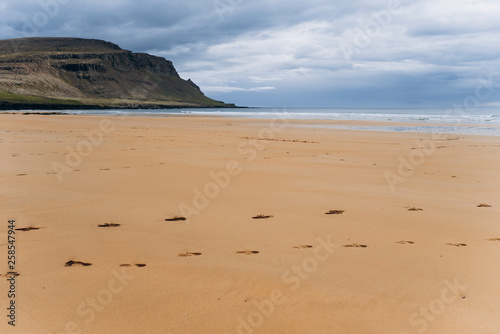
point(482, 121)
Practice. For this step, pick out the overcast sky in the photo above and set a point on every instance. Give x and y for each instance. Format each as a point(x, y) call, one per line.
point(318, 53)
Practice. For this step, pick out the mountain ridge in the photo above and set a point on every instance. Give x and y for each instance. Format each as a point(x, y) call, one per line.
point(77, 73)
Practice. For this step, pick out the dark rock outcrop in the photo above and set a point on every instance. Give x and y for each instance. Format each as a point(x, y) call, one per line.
point(64, 73)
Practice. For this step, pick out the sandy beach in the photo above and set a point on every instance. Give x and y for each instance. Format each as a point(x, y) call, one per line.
point(411, 245)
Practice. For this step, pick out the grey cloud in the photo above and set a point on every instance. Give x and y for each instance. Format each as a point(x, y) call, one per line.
point(430, 53)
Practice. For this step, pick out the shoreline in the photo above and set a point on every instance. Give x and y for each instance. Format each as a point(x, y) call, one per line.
point(7, 106)
point(333, 124)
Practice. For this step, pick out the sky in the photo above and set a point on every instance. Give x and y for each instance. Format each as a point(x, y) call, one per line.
point(290, 53)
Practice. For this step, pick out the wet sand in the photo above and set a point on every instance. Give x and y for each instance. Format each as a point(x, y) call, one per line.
point(218, 225)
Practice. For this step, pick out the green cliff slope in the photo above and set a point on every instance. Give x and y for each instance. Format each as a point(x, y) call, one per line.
point(67, 73)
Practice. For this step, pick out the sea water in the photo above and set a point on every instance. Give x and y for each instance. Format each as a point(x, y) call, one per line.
point(481, 121)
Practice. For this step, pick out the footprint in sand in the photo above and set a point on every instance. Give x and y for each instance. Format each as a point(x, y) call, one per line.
point(405, 242)
point(456, 245)
point(76, 263)
point(109, 225)
point(262, 217)
point(335, 212)
point(10, 274)
point(484, 205)
point(176, 219)
point(247, 252)
point(356, 245)
point(189, 254)
point(414, 209)
point(302, 246)
point(26, 229)
point(21, 174)
point(140, 265)
point(494, 239)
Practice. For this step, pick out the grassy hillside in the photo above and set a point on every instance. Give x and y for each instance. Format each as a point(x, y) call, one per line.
point(16, 98)
point(52, 72)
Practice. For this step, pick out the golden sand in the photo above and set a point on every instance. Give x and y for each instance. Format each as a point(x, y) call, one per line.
point(146, 225)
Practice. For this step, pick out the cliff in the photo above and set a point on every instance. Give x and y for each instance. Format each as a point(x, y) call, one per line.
point(74, 73)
